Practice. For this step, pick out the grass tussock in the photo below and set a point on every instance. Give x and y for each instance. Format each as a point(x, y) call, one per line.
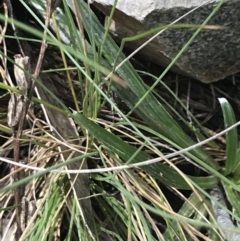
point(114, 149)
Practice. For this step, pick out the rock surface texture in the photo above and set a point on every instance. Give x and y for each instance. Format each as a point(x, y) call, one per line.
point(213, 55)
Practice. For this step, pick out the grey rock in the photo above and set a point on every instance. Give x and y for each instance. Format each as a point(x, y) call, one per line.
point(213, 55)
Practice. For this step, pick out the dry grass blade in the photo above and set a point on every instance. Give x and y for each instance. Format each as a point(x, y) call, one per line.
point(66, 128)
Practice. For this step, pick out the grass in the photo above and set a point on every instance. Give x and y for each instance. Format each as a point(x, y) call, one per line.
point(161, 200)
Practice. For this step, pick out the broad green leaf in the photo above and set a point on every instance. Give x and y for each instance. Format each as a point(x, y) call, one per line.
point(231, 137)
point(158, 170)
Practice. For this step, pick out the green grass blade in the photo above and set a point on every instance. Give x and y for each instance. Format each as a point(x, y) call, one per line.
point(158, 170)
point(237, 171)
point(231, 137)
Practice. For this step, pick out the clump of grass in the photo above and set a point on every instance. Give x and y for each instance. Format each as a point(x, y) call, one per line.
point(134, 154)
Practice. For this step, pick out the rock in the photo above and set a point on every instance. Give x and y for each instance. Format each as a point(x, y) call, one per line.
point(214, 53)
